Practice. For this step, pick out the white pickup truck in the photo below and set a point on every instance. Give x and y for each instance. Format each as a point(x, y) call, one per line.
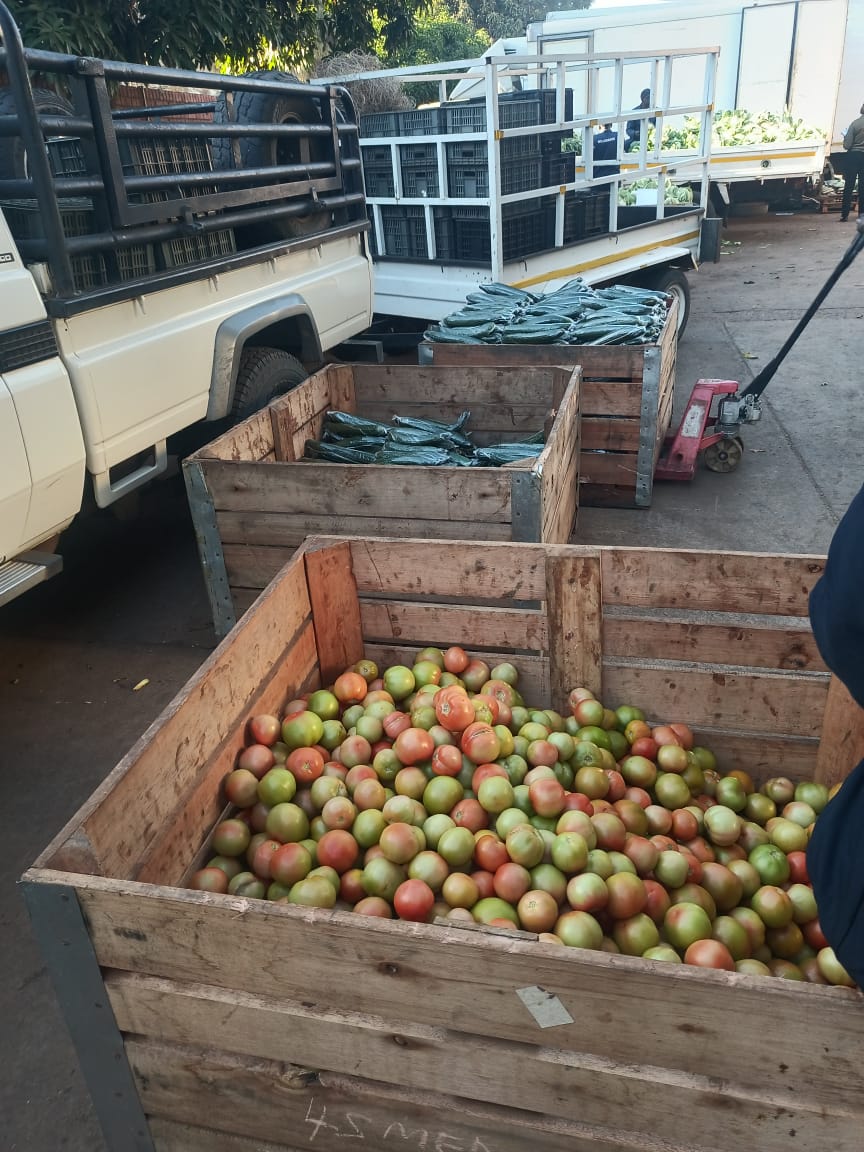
point(160, 265)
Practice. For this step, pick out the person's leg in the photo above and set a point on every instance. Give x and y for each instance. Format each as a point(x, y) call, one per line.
point(859, 184)
point(850, 176)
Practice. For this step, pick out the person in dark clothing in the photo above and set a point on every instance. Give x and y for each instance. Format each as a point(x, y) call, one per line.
point(853, 169)
point(835, 854)
point(606, 152)
point(634, 127)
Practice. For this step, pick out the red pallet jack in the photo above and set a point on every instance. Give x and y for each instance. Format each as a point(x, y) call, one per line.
point(716, 435)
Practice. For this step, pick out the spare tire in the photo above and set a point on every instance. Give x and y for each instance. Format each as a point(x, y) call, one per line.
point(13, 154)
point(269, 151)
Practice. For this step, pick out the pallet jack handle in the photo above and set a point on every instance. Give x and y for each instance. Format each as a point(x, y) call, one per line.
point(762, 379)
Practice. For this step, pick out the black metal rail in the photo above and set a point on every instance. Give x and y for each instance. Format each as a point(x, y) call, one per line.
point(174, 190)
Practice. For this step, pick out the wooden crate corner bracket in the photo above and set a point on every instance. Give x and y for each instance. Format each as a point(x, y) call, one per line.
point(574, 605)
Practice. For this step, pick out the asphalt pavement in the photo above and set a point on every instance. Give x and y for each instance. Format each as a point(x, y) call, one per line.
point(130, 606)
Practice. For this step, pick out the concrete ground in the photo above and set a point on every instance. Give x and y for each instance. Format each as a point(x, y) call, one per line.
point(131, 606)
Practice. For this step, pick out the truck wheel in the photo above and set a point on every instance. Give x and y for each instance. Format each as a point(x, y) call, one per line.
point(269, 151)
point(13, 155)
point(264, 374)
point(673, 281)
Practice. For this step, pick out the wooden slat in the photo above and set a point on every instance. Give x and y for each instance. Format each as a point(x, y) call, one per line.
point(486, 571)
point(613, 468)
point(609, 363)
point(250, 440)
point(129, 810)
point(409, 970)
point(571, 1086)
point(335, 609)
point(558, 466)
point(605, 495)
point(763, 755)
point(252, 1099)
point(574, 608)
point(290, 529)
point(791, 649)
point(842, 744)
point(168, 858)
point(749, 701)
point(457, 384)
point(405, 622)
point(610, 434)
point(485, 418)
point(710, 581)
point(533, 670)
point(250, 566)
point(428, 493)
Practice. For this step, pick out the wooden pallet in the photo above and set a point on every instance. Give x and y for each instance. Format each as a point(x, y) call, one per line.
point(209, 1023)
point(254, 499)
point(626, 406)
point(834, 203)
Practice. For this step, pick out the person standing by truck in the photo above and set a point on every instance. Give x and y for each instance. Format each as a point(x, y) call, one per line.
point(853, 169)
point(606, 152)
point(634, 127)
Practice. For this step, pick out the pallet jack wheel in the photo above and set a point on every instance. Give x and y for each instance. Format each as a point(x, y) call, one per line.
point(725, 455)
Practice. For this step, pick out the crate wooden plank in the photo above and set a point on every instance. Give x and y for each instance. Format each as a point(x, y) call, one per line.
point(710, 581)
point(558, 467)
point(335, 609)
point(695, 638)
point(476, 571)
point(167, 859)
point(507, 629)
point(485, 418)
point(757, 701)
point(251, 1099)
point(251, 566)
point(605, 495)
point(761, 754)
point(413, 968)
point(574, 608)
point(568, 1086)
point(331, 388)
point(427, 493)
point(250, 440)
point(457, 384)
point(617, 469)
point(609, 363)
point(283, 528)
point(842, 744)
point(129, 810)
point(610, 434)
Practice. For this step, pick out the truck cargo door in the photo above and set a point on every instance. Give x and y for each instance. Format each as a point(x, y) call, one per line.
point(765, 61)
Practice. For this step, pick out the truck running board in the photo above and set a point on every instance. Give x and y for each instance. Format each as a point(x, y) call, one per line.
point(27, 570)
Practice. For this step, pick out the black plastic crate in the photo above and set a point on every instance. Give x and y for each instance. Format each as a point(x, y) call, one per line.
point(420, 122)
point(419, 179)
point(379, 179)
point(629, 215)
point(404, 232)
point(477, 151)
point(472, 180)
point(528, 229)
point(379, 124)
point(550, 142)
point(66, 157)
point(559, 169)
point(470, 115)
point(586, 214)
point(376, 154)
point(420, 154)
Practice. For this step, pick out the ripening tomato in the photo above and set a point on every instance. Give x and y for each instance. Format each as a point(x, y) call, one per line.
point(627, 895)
point(456, 660)
point(413, 900)
point(546, 797)
point(537, 911)
point(338, 849)
point(469, 814)
point(480, 743)
point(511, 882)
point(257, 759)
point(709, 954)
point(306, 764)
point(460, 890)
point(447, 760)
point(454, 709)
point(394, 723)
point(414, 746)
point(490, 853)
point(485, 882)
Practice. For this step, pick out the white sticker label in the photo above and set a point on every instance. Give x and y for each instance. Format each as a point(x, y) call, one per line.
point(547, 1010)
point(692, 425)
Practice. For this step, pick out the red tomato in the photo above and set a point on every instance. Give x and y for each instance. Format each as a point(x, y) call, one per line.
point(374, 906)
point(469, 814)
point(447, 760)
point(627, 895)
point(337, 849)
point(578, 802)
point(413, 900)
point(350, 688)
point(456, 660)
point(814, 935)
point(511, 882)
point(396, 722)
point(710, 954)
point(798, 873)
point(617, 785)
point(351, 887)
point(490, 853)
point(486, 708)
point(483, 772)
point(413, 746)
point(645, 746)
point(685, 826)
point(658, 902)
point(684, 734)
point(453, 709)
point(485, 882)
point(547, 797)
point(480, 743)
point(306, 764)
point(638, 796)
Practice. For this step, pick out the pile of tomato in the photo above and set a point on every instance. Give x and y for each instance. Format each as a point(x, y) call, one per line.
point(434, 792)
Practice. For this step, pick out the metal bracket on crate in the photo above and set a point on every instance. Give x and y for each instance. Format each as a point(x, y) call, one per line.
point(209, 549)
point(61, 932)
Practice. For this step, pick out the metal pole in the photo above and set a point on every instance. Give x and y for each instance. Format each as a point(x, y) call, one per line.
point(494, 157)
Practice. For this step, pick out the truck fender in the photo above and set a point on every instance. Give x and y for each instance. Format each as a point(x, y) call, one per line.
point(235, 332)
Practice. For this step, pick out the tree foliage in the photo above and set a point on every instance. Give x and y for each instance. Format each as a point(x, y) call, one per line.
point(197, 33)
point(502, 18)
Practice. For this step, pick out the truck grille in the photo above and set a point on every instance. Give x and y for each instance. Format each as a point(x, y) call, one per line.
point(26, 345)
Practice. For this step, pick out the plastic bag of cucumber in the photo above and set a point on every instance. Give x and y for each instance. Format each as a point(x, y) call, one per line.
point(574, 314)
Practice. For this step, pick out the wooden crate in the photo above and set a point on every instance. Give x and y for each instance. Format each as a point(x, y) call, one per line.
point(208, 1023)
point(626, 406)
point(254, 500)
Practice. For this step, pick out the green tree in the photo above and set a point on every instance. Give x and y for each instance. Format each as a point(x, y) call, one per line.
point(439, 34)
point(197, 33)
point(501, 18)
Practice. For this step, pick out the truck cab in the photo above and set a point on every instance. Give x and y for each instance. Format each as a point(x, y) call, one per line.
point(176, 248)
